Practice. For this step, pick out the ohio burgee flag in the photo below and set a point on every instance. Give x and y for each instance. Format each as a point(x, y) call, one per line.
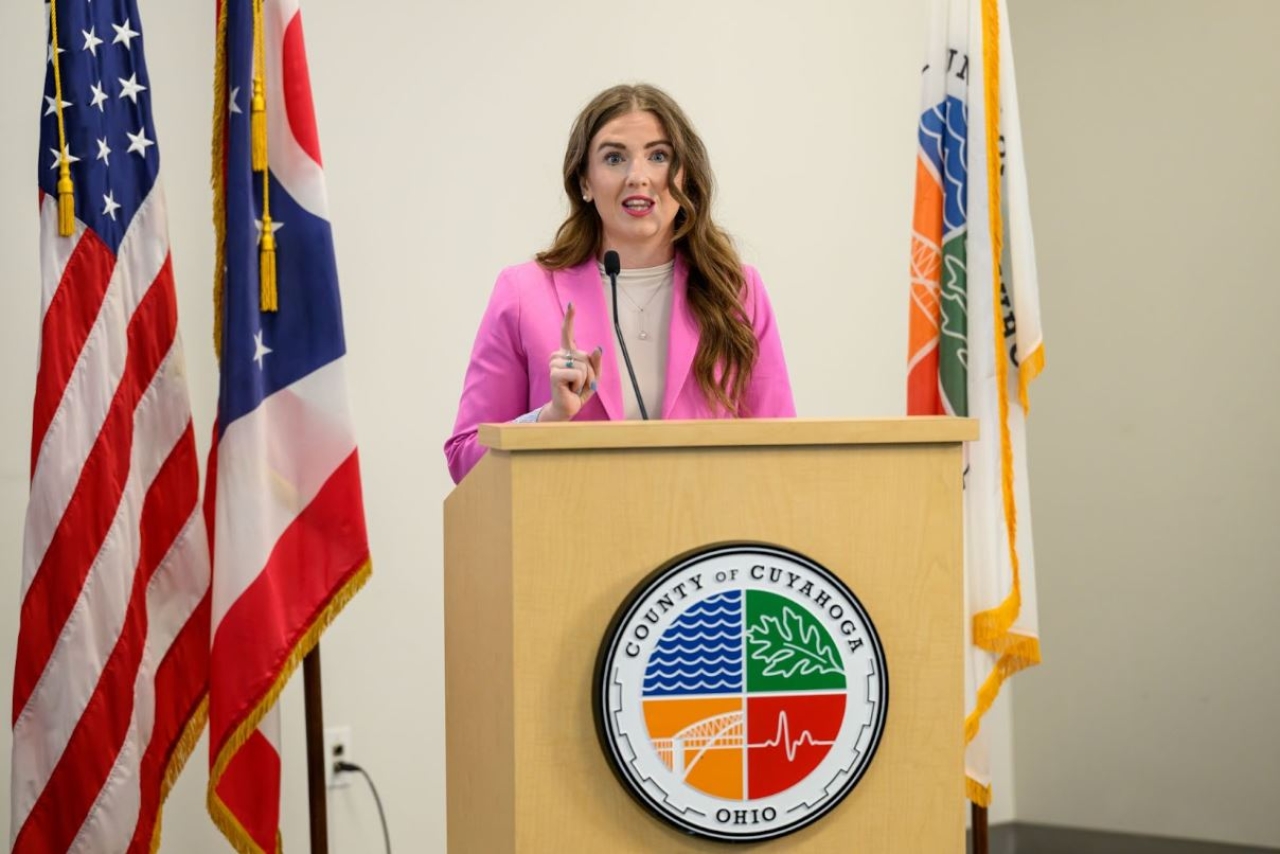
point(112, 651)
point(283, 501)
point(975, 338)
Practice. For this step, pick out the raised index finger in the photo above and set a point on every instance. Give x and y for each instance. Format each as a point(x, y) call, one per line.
point(566, 331)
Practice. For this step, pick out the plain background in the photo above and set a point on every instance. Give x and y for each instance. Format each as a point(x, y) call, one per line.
point(1150, 128)
point(1151, 132)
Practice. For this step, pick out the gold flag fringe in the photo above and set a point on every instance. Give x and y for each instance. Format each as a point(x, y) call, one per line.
point(991, 628)
point(976, 792)
point(1028, 370)
point(217, 177)
point(181, 752)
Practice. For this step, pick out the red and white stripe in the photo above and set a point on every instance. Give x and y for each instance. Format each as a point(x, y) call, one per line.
point(287, 487)
point(112, 656)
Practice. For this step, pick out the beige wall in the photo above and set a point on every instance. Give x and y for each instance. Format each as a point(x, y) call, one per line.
point(1153, 140)
point(1151, 134)
point(442, 168)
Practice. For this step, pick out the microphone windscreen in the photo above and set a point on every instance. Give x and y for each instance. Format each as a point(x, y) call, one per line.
point(612, 264)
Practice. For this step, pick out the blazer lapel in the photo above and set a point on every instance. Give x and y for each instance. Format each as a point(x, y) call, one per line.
point(592, 327)
point(682, 338)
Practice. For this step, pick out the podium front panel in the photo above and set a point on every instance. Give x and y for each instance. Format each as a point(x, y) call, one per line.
point(561, 538)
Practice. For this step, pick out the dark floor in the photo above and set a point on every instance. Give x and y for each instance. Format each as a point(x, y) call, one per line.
point(1040, 839)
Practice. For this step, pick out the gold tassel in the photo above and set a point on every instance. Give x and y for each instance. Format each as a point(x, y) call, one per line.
point(258, 127)
point(66, 190)
point(268, 295)
point(258, 103)
point(268, 299)
point(66, 200)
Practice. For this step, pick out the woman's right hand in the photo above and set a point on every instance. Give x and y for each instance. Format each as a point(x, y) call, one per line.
point(574, 375)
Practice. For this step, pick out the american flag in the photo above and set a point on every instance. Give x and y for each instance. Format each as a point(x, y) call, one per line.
point(284, 497)
point(110, 677)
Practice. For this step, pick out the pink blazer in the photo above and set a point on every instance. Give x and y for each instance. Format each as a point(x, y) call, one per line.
point(507, 374)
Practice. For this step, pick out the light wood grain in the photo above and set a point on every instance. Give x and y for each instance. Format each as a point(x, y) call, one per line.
point(746, 432)
point(587, 525)
point(479, 717)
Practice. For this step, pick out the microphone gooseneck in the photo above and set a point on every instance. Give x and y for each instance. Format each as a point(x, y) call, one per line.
point(613, 266)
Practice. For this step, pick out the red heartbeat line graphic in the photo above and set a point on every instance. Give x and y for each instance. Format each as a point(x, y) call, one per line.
point(783, 737)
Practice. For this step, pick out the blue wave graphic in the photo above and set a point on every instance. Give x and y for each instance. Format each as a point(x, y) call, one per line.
point(694, 636)
point(701, 652)
point(730, 672)
point(719, 610)
point(672, 653)
point(942, 137)
point(664, 659)
point(661, 688)
point(728, 624)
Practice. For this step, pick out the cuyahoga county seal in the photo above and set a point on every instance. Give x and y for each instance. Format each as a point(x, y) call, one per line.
point(740, 692)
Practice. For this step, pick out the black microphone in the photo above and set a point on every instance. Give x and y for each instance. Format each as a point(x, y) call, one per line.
point(613, 266)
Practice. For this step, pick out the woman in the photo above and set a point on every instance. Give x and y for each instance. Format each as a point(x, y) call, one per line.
point(696, 321)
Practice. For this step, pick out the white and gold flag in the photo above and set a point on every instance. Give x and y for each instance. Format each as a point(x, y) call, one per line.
point(975, 337)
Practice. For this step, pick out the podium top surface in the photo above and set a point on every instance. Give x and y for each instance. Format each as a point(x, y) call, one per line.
point(728, 433)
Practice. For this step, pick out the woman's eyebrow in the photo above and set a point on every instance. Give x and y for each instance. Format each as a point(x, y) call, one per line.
point(618, 145)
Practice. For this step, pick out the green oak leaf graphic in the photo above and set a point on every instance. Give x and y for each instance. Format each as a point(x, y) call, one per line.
point(789, 648)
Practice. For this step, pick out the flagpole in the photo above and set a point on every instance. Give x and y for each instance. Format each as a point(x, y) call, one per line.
point(978, 819)
point(315, 751)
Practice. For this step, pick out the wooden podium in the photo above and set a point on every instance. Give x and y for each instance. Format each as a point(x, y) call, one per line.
point(555, 526)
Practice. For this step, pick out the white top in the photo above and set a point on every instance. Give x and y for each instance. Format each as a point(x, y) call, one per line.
point(644, 313)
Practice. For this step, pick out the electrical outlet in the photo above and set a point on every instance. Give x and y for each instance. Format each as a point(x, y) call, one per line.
point(337, 746)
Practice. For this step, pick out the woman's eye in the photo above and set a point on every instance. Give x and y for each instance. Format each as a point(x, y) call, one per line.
point(660, 157)
point(613, 159)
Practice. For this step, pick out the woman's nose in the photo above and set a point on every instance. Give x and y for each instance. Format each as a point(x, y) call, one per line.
point(638, 174)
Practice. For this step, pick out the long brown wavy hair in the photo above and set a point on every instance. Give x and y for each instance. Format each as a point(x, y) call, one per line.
point(727, 346)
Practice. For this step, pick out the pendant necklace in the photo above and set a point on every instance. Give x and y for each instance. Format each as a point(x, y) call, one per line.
point(644, 332)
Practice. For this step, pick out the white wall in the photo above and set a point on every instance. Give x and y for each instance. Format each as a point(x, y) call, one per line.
point(1151, 133)
point(443, 128)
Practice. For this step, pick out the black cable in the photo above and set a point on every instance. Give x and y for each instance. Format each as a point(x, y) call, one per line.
point(351, 766)
point(611, 270)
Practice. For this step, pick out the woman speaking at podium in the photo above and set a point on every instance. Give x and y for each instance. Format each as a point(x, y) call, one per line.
point(640, 308)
